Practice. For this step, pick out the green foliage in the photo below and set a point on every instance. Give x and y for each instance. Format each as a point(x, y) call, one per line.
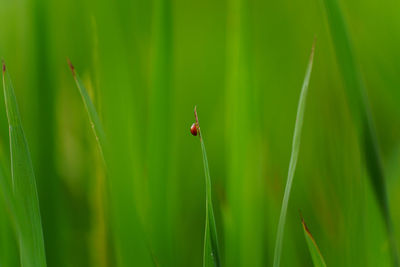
point(159, 146)
point(24, 202)
point(129, 234)
point(130, 195)
point(316, 255)
point(361, 111)
point(211, 250)
point(97, 127)
point(293, 160)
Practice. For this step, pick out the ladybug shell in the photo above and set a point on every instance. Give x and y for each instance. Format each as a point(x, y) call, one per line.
point(193, 129)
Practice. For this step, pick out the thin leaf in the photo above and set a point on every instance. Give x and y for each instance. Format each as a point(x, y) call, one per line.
point(361, 111)
point(293, 160)
point(316, 255)
point(7, 194)
point(10, 224)
point(91, 110)
point(130, 238)
point(211, 250)
point(30, 235)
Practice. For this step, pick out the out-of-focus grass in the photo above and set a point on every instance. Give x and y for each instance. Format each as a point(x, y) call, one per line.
point(94, 118)
point(361, 111)
point(8, 246)
point(23, 203)
point(159, 145)
point(293, 159)
point(244, 184)
point(241, 61)
point(130, 239)
point(316, 255)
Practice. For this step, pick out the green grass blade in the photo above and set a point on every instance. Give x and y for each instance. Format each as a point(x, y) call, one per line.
point(128, 233)
point(293, 161)
point(30, 234)
point(211, 250)
point(91, 110)
point(316, 255)
point(6, 192)
point(361, 111)
point(10, 223)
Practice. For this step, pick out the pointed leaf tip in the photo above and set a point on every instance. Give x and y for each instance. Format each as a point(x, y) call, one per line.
point(195, 115)
point(197, 122)
point(305, 226)
point(314, 42)
point(25, 197)
point(71, 66)
point(317, 258)
point(4, 66)
point(313, 48)
point(304, 223)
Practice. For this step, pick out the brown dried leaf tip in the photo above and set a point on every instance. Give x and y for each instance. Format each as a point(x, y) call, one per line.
point(4, 66)
point(304, 225)
point(71, 67)
point(306, 228)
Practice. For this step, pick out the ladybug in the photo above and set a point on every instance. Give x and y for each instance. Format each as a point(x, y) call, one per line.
point(193, 129)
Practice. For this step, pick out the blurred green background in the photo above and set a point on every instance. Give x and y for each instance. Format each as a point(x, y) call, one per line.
point(146, 65)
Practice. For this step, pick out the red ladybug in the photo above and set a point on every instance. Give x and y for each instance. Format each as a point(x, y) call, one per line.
point(193, 129)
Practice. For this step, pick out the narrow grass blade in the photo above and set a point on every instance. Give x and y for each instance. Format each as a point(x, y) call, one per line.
point(129, 237)
point(361, 111)
point(7, 195)
point(30, 232)
point(97, 127)
point(211, 250)
point(316, 255)
point(293, 160)
point(9, 255)
point(9, 222)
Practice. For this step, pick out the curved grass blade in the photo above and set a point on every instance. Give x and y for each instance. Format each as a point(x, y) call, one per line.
point(293, 160)
point(30, 233)
point(361, 112)
point(130, 238)
point(316, 255)
point(211, 250)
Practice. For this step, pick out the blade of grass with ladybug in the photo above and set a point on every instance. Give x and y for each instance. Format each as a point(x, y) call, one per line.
point(211, 255)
